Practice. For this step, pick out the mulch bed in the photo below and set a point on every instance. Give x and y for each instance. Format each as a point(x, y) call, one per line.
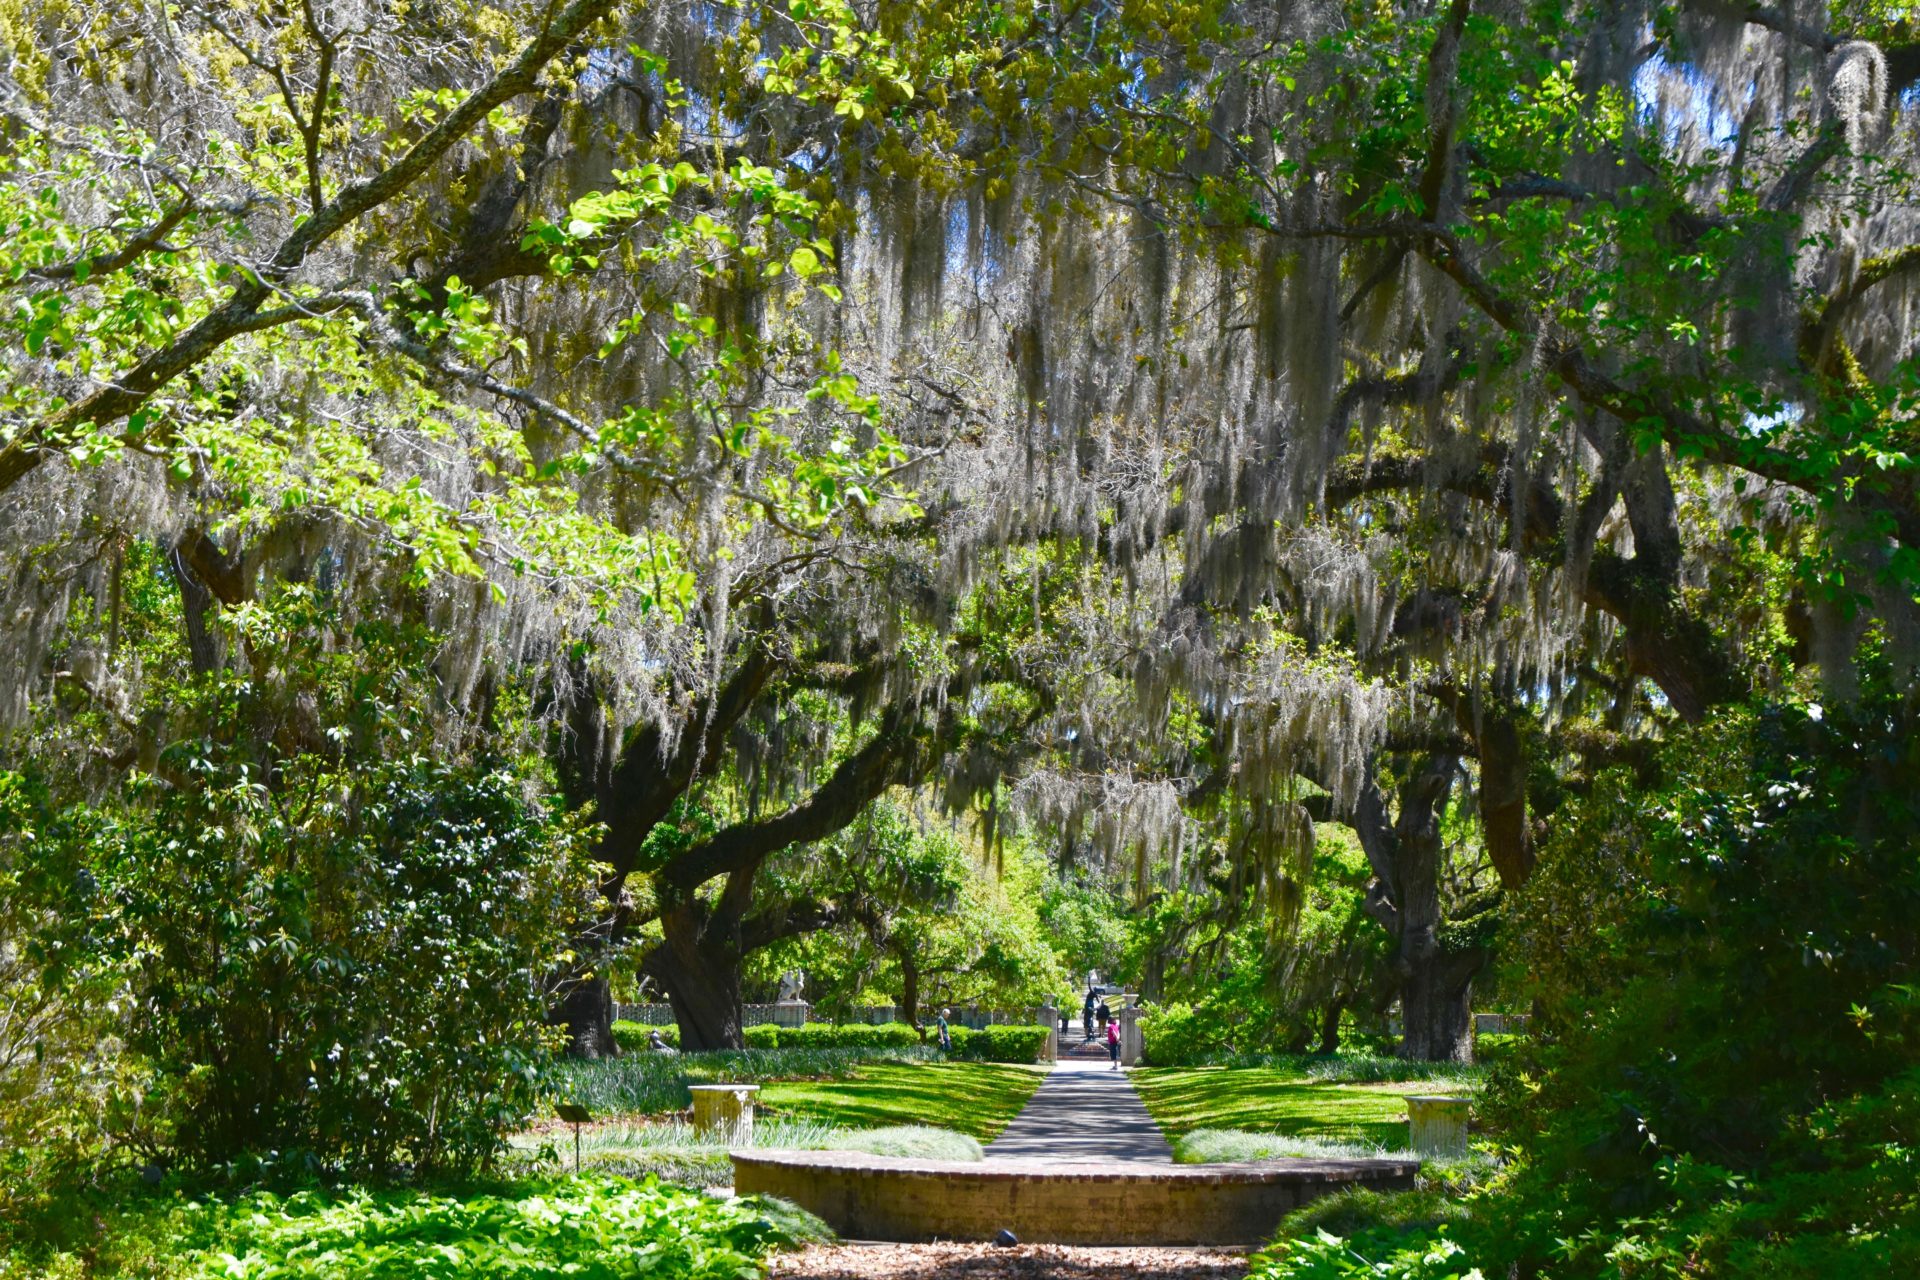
point(1020, 1262)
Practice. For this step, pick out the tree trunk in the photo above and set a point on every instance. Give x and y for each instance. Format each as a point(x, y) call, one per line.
point(1330, 1026)
point(1436, 1008)
point(1406, 853)
point(706, 1005)
point(196, 604)
point(909, 989)
point(586, 1011)
point(698, 963)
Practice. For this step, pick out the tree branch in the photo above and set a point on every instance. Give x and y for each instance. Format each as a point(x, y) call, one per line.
point(121, 397)
point(857, 782)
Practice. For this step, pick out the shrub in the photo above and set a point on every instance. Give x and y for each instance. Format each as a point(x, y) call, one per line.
point(633, 1037)
point(1724, 1079)
point(999, 1044)
point(353, 982)
point(60, 1072)
point(764, 1036)
point(1173, 1035)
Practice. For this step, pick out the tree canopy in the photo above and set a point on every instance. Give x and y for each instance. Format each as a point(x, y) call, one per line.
point(1195, 440)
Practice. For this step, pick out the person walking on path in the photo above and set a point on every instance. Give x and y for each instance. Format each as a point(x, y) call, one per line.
point(946, 1036)
point(1113, 1043)
point(1105, 1015)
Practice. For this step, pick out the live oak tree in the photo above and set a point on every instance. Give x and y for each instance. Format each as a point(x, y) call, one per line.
point(496, 328)
point(1393, 394)
point(1550, 361)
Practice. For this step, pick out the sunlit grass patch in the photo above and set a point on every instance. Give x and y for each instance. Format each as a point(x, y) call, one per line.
point(654, 1084)
point(1280, 1101)
point(974, 1098)
point(677, 1152)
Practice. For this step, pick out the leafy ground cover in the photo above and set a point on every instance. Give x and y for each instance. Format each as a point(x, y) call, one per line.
point(1280, 1100)
point(974, 1098)
point(590, 1228)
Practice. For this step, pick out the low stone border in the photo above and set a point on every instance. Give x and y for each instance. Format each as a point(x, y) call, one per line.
point(866, 1197)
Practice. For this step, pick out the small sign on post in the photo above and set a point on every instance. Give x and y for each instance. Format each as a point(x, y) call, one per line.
point(576, 1115)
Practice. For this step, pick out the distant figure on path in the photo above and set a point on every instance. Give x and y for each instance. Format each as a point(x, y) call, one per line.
point(946, 1036)
point(1113, 1043)
point(1106, 1015)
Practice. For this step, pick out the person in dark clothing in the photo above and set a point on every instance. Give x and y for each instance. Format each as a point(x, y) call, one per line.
point(1105, 1015)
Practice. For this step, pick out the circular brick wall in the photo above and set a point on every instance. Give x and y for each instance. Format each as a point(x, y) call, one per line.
point(865, 1197)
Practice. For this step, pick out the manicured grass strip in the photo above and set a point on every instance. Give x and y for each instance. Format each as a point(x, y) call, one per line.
point(638, 1084)
point(1267, 1100)
point(974, 1098)
point(675, 1152)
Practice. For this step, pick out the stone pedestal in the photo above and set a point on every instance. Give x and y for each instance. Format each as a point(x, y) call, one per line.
point(1133, 1042)
point(1437, 1126)
point(1049, 1017)
point(724, 1109)
point(790, 1013)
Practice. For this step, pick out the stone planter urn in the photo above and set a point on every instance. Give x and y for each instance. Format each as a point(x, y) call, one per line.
point(1437, 1125)
point(725, 1109)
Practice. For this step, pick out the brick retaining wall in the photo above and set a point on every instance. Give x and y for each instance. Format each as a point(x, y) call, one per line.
point(867, 1197)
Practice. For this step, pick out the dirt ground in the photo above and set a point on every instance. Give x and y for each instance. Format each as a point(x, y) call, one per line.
point(1020, 1262)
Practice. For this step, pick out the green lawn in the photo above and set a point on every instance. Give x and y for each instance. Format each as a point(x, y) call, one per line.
point(974, 1098)
point(1271, 1100)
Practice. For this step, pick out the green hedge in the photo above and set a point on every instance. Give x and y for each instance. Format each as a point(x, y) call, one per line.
point(999, 1044)
point(822, 1035)
point(632, 1036)
point(991, 1044)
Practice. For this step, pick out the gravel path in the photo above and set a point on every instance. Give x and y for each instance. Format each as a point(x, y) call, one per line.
point(1022, 1262)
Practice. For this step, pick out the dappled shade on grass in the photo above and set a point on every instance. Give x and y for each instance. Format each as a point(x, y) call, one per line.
point(1266, 1100)
point(974, 1098)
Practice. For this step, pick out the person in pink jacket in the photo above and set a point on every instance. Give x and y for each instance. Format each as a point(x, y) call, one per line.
point(1113, 1044)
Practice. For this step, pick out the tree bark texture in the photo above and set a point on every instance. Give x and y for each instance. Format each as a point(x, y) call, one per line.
point(586, 1011)
point(1406, 853)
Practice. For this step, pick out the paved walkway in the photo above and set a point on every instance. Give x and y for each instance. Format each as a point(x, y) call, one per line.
point(1083, 1111)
